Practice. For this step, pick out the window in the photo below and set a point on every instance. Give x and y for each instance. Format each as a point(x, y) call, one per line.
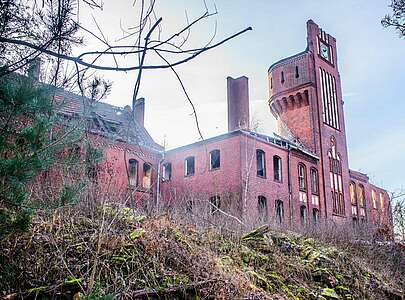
point(303, 214)
point(382, 201)
point(133, 171)
point(189, 166)
point(271, 82)
point(189, 206)
point(282, 77)
point(315, 215)
point(302, 184)
point(262, 208)
point(374, 198)
point(167, 171)
point(279, 211)
point(215, 159)
point(335, 173)
point(297, 74)
point(353, 198)
point(260, 163)
point(147, 176)
point(361, 200)
point(314, 181)
point(277, 168)
point(330, 111)
point(215, 204)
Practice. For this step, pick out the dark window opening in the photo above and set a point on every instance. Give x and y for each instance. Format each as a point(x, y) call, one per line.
point(260, 163)
point(167, 171)
point(303, 215)
point(215, 159)
point(147, 176)
point(279, 211)
point(189, 206)
point(215, 204)
point(297, 74)
point(189, 166)
point(277, 168)
point(314, 182)
point(301, 178)
point(133, 171)
point(315, 216)
point(271, 82)
point(262, 208)
point(282, 77)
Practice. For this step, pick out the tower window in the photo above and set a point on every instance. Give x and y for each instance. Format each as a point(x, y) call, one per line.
point(335, 173)
point(314, 181)
point(133, 171)
point(147, 176)
point(282, 77)
point(215, 204)
point(302, 178)
point(260, 163)
point(262, 208)
point(277, 168)
point(215, 159)
point(297, 74)
point(189, 166)
point(167, 171)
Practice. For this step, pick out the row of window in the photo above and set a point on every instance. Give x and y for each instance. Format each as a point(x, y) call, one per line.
point(133, 174)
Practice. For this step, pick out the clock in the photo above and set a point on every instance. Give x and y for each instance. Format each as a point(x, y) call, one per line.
point(324, 49)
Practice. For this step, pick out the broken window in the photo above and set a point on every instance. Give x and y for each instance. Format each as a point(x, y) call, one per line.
point(260, 163)
point(189, 166)
point(279, 211)
point(133, 172)
point(315, 215)
point(374, 199)
point(215, 159)
point(167, 171)
point(262, 208)
point(277, 168)
point(361, 202)
point(303, 214)
point(215, 204)
point(301, 178)
point(147, 176)
point(382, 201)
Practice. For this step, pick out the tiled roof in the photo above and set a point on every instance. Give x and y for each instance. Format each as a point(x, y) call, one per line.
point(105, 119)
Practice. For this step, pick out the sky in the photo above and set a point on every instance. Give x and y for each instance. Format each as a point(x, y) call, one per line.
point(371, 61)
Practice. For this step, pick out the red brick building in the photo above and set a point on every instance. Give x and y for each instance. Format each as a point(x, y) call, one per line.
point(299, 176)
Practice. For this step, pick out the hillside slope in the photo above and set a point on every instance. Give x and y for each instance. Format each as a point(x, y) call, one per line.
point(118, 254)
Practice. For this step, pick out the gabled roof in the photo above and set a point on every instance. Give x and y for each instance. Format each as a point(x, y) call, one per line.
point(105, 119)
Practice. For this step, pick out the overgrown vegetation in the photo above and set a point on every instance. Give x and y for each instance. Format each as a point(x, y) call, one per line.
point(107, 252)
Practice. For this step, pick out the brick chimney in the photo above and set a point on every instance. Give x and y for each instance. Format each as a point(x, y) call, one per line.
point(238, 103)
point(139, 111)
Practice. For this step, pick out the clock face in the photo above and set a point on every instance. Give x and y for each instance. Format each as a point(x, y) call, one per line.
point(324, 51)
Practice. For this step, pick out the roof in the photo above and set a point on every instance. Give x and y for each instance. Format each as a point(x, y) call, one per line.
point(108, 120)
point(286, 59)
point(280, 142)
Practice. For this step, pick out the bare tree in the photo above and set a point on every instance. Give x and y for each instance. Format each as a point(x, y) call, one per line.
point(397, 18)
point(398, 214)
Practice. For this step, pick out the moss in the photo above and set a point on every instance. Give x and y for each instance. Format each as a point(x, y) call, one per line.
point(37, 289)
point(137, 233)
point(260, 280)
point(329, 293)
point(73, 281)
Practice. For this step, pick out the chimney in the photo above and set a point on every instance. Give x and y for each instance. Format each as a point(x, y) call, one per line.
point(34, 69)
point(139, 111)
point(238, 103)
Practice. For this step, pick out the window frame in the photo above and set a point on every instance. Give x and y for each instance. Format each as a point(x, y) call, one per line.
point(262, 210)
point(314, 188)
point(263, 155)
point(134, 170)
point(279, 217)
point(186, 173)
point(280, 168)
point(219, 159)
point(302, 178)
point(144, 175)
point(164, 177)
point(215, 206)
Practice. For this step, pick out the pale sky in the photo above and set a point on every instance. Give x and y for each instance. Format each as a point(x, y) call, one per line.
point(370, 58)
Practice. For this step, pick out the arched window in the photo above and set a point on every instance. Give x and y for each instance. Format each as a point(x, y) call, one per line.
point(353, 198)
point(215, 204)
point(302, 182)
point(335, 171)
point(215, 159)
point(315, 215)
point(282, 77)
point(303, 214)
point(361, 201)
point(133, 172)
point(279, 211)
point(260, 163)
point(297, 74)
point(374, 198)
point(147, 176)
point(314, 186)
point(189, 166)
point(262, 208)
point(277, 168)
